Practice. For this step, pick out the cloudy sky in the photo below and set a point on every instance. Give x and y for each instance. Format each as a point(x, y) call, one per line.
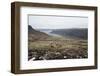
point(57, 22)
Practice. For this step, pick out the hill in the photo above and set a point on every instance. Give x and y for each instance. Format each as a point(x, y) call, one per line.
point(81, 33)
point(34, 35)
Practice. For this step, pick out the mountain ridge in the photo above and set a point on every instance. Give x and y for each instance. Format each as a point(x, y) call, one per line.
point(74, 32)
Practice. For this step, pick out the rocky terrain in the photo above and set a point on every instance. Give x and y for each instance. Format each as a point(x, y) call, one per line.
point(42, 46)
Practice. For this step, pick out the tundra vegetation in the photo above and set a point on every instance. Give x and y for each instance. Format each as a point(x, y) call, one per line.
point(71, 45)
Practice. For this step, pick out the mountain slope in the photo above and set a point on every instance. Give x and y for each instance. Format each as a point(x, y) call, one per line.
point(35, 35)
point(75, 33)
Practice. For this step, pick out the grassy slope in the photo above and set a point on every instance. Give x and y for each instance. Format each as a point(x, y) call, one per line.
point(58, 48)
point(44, 47)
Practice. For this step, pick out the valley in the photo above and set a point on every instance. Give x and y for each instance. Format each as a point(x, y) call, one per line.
point(57, 44)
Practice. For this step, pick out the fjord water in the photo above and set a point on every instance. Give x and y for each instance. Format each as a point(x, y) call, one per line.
point(49, 32)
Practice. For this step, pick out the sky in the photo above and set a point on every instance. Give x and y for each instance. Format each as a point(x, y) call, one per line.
point(57, 22)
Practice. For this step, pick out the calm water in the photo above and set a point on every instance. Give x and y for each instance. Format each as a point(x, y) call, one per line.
point(49, 33)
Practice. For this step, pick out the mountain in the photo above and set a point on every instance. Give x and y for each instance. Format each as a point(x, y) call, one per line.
point(34, 35)
point(81, 33)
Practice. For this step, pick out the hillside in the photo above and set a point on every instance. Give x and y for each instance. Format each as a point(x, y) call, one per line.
point(35, 35)
point(75, 33)
point(46, 46)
